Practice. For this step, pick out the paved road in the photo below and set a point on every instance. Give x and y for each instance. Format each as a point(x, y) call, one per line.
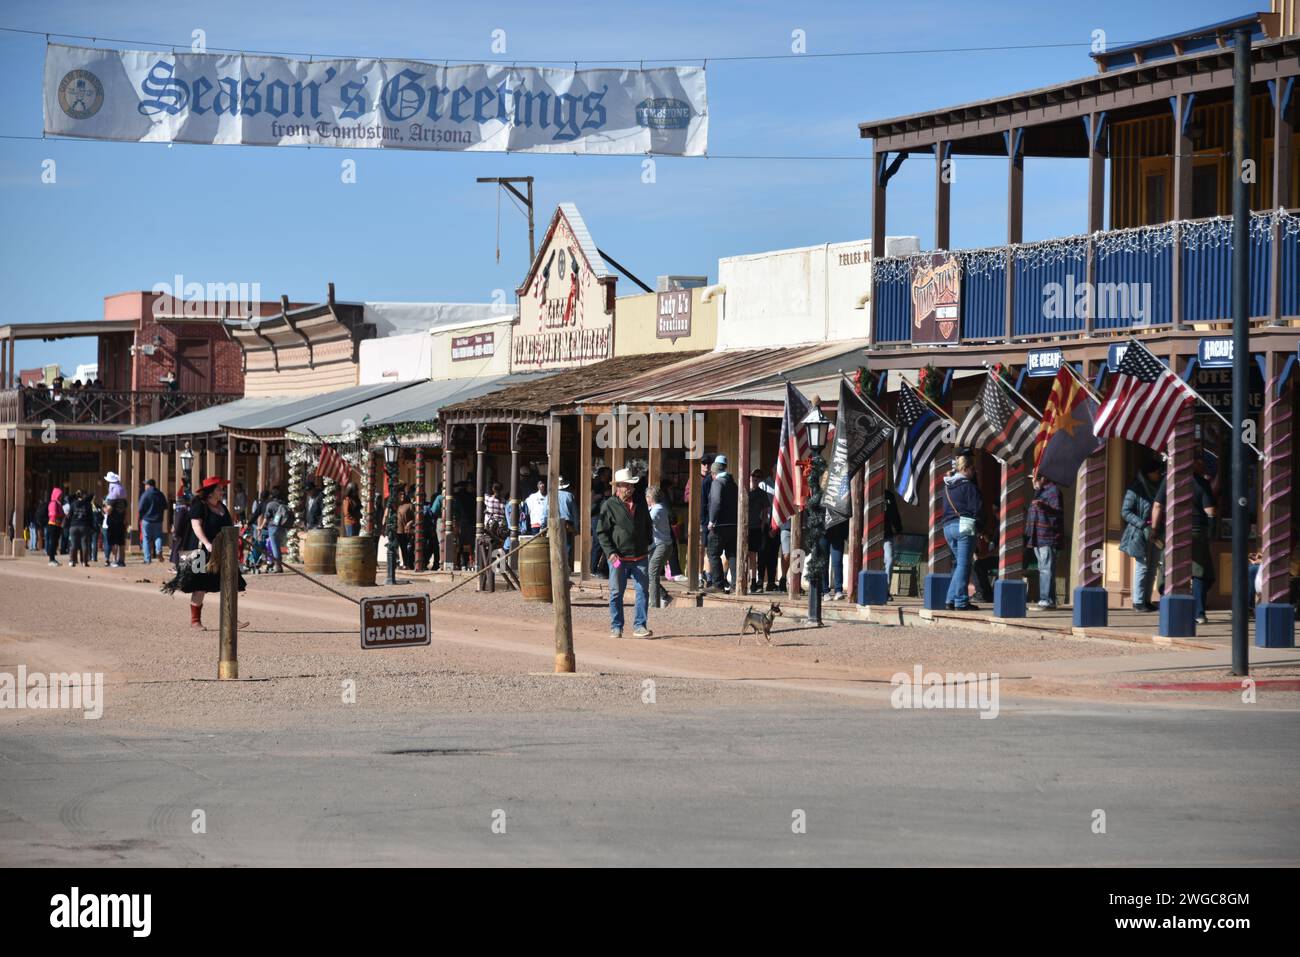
point(661, 787)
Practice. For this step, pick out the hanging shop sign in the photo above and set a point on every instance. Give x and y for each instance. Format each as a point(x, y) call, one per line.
point(566, 314)
point(395, 621)
point(1115, 355)
point(1044, 362)
point(674, 315)
point(936, 300)
point(249, 447)
point(1215, 353)
point(210, 98)
point(478, 346)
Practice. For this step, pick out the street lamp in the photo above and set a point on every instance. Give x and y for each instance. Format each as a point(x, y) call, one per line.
point(814, 515)
point(187, 464)
point(391, 449)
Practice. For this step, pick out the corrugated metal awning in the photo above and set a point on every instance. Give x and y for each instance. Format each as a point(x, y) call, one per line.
point(284, 414)
point(204, 420)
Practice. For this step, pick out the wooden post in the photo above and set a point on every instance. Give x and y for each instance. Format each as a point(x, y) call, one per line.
point(6, 494)
point(1015, 186)
point(1178, 507)
point(19, 453)
point(227, 546)
point(654, 451)
point(513, 510)
point(878, 184)
point(165, 483)
point(261, 466)
point(134, 490)
point(480, 438)
point(210, 462)
point(560, 568)
point(942, 196)
point(741, 571)
point(696, 487)
point(1092, 512)
point(448, 559)
point(874, 493)
point(419, 508)
point(1183, 151)
point(1284, 99)
point(941, 556)
point(585, 531)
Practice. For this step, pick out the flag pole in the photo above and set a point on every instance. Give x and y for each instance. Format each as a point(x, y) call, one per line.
point(1200, 398)
point(874, 408)
point(1032, 408)
point(926, 399)
point(1087, 386)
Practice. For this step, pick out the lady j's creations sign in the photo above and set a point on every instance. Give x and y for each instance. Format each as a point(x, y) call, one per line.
point(391, 104)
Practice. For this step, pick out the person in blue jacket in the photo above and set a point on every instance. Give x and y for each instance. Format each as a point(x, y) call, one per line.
point(962, 505)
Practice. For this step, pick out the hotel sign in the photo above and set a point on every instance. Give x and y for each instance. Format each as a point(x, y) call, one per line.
point(478, 346)
point(936, 300)
point(674, 315)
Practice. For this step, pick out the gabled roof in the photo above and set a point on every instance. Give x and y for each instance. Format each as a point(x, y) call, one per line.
point(578, 226)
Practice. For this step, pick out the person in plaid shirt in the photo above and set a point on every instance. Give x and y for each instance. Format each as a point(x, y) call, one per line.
point(1043, 534)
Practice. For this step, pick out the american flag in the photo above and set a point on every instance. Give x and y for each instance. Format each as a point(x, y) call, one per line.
point(917, 437)
point(1144, 401)
point(331, 465)
point(996, 424)
point(791, 485)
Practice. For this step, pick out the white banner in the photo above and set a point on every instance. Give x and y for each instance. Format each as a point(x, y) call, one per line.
point(215, 98)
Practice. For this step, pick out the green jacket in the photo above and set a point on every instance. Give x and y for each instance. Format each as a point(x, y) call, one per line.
point(622, 533)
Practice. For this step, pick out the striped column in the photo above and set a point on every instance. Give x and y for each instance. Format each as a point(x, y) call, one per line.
point(1178, 507)
point(1011, 526)
point(1091, 535)
point(419, 507)
point(874, 533)
point(1275, 514)
point(940, 556)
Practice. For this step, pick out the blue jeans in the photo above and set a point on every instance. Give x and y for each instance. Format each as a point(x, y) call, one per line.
point(962, 547)
point(351, 531)
point(837, 568)
point(640, 575)
point(275, 543)
point(889, 561)
point(150, 539)
point(1198, 593)
point(1143, 576)
point(1046, 574)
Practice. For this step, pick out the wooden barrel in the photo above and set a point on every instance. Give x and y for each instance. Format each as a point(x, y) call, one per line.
point(355, 557)
point(535, 571)
point(318, 550)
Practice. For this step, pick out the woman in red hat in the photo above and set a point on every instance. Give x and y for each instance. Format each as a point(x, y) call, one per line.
point(208, 516)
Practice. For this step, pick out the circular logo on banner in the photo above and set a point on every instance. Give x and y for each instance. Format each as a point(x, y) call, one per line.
point(81, 94)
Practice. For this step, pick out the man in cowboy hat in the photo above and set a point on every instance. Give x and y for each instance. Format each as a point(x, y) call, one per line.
point(624, 531)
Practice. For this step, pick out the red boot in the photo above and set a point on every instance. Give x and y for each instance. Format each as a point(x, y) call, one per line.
point(196, 616)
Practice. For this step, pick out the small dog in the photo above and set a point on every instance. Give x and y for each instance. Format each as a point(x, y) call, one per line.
point(760, 622)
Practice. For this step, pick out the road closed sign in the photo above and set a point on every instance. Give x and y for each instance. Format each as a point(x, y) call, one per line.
point(395, 621)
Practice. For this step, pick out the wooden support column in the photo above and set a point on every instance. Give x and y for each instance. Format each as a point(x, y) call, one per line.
point(1011, 521)
point(513, 516)
point(19, 454)
point(617, 453)
point(1283, 95)
point(6, 495)
point(480, 451)
point(943, 170)
point(1183, 155)
point(136, 489)
point(419, 508)
point(210, 462)
point(655, 452)
point(1095, 126)
point(585, 519)
point(693, 512)
point(1278, 480)
point(261, 466)
point(448, 559)
point(168, 489)
point(128, 484)
point(1015, 186)
point(740, 574)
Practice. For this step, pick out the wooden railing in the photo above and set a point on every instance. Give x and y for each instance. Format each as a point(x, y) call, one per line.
point(102, 407)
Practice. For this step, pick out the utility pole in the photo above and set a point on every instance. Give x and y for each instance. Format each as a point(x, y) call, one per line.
point(1240, 346)
point(561, 566)
point(507, 183)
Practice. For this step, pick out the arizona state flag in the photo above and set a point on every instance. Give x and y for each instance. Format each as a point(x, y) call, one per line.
point(1066, 436)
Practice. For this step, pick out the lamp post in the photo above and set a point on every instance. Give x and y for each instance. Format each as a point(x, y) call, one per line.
point(187, 465)
point(391, 448)
point(814, 515)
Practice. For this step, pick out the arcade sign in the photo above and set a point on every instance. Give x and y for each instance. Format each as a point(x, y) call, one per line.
point(1215, 353)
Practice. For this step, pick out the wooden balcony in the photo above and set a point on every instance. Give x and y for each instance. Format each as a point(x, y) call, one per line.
point(87, 407)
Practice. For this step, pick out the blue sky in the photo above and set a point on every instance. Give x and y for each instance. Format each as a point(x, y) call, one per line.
point(415, 226)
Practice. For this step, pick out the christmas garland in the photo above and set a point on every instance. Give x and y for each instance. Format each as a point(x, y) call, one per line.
point(931, 383)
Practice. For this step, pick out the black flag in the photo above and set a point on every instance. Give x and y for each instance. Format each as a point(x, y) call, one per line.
point(859, 431)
